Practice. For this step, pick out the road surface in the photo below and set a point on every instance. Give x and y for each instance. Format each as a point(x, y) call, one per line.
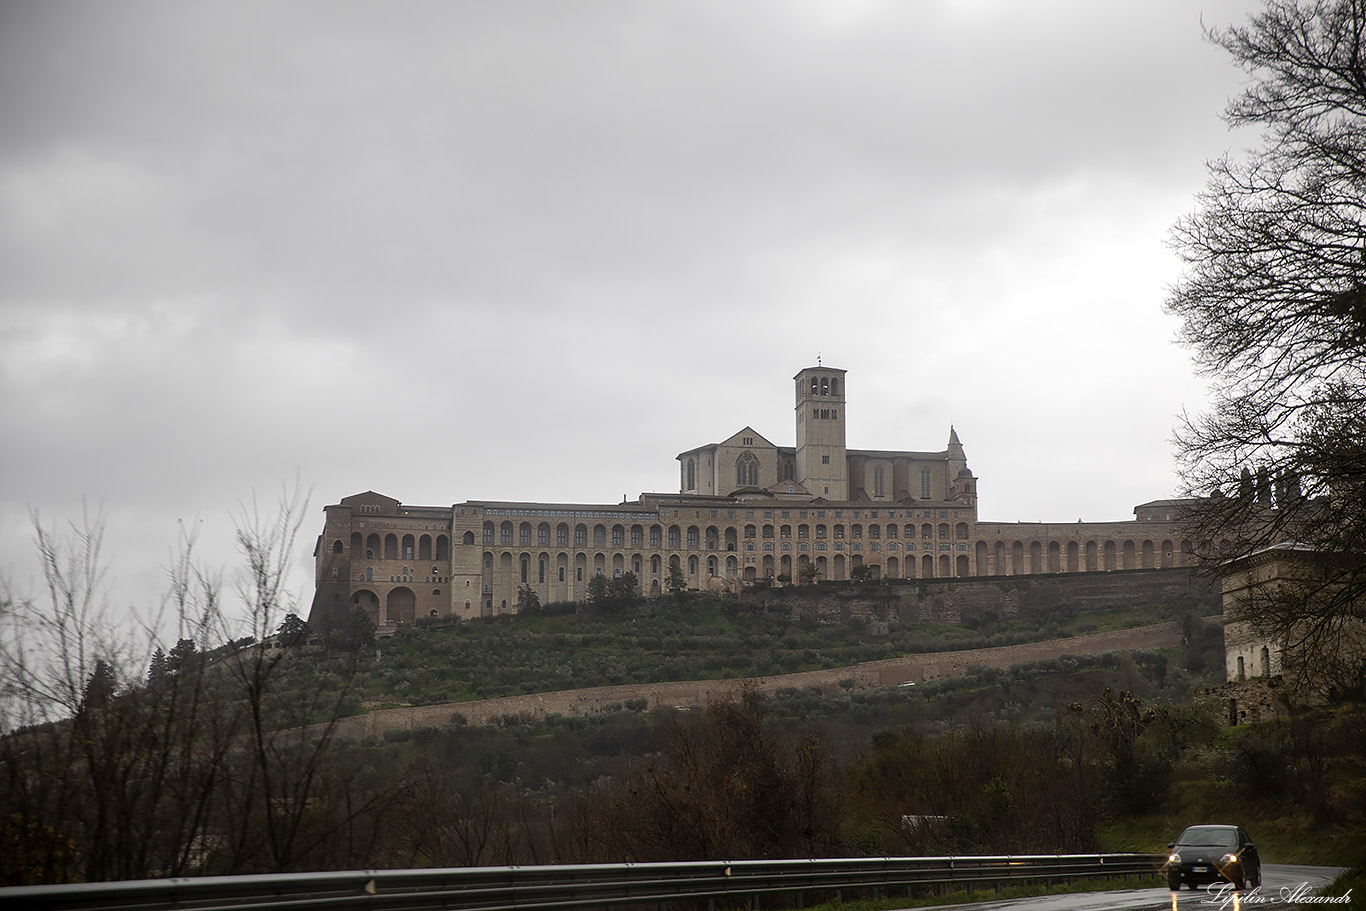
point(1280, 883)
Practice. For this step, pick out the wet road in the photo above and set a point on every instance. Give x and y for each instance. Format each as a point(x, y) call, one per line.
point(1280, 882)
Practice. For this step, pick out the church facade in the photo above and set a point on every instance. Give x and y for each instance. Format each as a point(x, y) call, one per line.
point(747, 510)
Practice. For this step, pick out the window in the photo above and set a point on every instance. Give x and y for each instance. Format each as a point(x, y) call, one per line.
point(924, 483)
point(692, 475)
point(825, 460)
point(747, 470)
point(878, 474)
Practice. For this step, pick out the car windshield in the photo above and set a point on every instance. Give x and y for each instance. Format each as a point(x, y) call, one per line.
point(1210, 837)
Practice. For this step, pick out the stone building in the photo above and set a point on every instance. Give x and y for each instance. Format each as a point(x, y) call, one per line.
point(1303, 579)
point(747, 509)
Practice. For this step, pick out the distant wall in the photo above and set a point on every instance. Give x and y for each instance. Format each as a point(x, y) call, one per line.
point(955, 600)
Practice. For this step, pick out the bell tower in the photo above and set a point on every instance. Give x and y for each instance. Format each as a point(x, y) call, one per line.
point(822, 467)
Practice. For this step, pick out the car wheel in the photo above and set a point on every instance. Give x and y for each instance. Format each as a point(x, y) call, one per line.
point(1257, 879)
point(1174, 882)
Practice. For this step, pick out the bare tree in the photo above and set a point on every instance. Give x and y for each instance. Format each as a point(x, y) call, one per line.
point(1273, 300)
point(205, 764)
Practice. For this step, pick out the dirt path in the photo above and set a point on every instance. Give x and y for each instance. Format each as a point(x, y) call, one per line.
point(692, 693)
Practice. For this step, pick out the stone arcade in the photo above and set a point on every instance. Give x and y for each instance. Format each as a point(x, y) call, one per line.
point(747, 510)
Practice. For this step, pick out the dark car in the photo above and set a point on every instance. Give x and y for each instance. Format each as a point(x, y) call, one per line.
point(1209, 854)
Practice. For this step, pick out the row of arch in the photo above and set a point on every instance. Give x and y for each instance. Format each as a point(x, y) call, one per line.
point(392, 547)
point(1000, 558)
point(709, 537)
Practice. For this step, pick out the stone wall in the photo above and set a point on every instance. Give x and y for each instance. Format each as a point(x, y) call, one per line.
point(956, 600)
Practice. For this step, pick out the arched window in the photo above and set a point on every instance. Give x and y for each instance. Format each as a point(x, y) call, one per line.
point(747, 470)
point(924, 483)
point(825, 385)
point(692, 475)
point(834, 385)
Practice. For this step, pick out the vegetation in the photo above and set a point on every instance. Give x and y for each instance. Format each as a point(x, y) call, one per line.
point(1274, 306)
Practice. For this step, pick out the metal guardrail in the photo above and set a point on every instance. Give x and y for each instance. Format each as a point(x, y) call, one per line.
point(546, 888)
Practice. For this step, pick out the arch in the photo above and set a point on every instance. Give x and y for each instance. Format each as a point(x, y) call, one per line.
point(731, 567)
point(599, 535)
point(768, 566)
point(893, 567)
point(424, 548)
point(1035, 558)
point(391, 547)
point(1168, 554)
point(543, 534)
point(562, 534)
point(443, 547)
point(637, 536)
point(408, 544)
point(337, 546)
point(1017, 564)
point(1265, 661)
point(927, 567)
point(1130, 561)
point(692, 565)
point(505, 533)
point(675, 537)
point(999, 567)
point(368, 600)
point(1092, 556)
point(1111, 555)
point(945, 566)
point(1054, 557)
point(713, 538)
point(962, 565)
point(656, 536)
point(580, 535)
point(488, 532)
point(1148, 555)
point(357, 543)
point(982, 564)
point(401, 605)
point(960, 531)
point(1073, 557)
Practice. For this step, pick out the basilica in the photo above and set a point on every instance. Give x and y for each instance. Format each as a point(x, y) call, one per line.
point(747, 510)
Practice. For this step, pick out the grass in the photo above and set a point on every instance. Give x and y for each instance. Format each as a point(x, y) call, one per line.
point(702, 639)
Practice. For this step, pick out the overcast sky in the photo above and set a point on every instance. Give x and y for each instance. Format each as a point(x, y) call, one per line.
point(532, 251)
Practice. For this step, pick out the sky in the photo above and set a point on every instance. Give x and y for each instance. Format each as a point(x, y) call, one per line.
point(508, 250)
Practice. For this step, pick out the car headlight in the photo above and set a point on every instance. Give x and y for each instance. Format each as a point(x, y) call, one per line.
point(1229, 859)
point(1174, 858)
